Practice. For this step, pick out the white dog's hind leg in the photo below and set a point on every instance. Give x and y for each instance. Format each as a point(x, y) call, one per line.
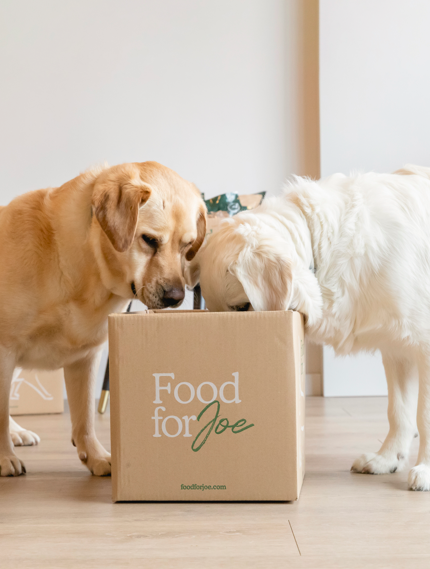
point(419, 475)
point(10, 465)
point(402, 383)
point(20, 436)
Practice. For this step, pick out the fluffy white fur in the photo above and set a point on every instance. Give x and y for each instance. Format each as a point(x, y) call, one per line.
point(353, 254)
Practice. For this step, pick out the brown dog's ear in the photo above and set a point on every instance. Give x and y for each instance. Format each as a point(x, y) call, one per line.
point(201, 234)
point(116, 207)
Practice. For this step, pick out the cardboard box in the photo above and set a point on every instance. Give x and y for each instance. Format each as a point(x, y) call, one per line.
point(207, 406)
point(36, 392)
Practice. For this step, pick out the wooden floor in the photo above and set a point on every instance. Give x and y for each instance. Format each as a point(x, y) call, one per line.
point(60, 516)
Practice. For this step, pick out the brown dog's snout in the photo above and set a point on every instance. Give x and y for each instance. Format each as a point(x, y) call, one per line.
point(173, 295)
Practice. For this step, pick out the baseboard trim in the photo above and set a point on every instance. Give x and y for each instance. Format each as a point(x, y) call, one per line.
point(314, 384)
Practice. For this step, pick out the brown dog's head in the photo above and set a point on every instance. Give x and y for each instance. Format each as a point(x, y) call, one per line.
point(147, 219)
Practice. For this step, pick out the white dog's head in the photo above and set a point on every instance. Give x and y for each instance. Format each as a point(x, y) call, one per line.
point(246, 266)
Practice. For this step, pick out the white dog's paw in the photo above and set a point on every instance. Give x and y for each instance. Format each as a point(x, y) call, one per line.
point(419, 478)
point(375, 463)
point(24, 438)
point(10, 465)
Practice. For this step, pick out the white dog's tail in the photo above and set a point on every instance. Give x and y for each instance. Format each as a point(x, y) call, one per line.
point(411, 169)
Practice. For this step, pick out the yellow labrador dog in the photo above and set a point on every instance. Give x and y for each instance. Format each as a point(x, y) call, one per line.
point(71, 255)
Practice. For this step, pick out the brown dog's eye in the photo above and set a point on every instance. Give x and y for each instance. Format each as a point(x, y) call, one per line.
point(241, 307)
point(150, 241)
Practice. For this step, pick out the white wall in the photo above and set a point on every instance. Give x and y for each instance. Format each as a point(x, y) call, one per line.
point(374, 107)
point(224, 92)
point(208, 88)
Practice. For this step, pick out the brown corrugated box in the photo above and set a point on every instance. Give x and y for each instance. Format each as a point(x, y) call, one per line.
point(167, 367)
point(36, 392)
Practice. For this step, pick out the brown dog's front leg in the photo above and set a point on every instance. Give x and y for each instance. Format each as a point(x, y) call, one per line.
point(80, 384)
point(10, 465)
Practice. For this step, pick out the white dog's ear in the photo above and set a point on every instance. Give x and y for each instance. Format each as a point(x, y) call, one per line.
point(192, 272)
point(307, 297)
point(266, 277)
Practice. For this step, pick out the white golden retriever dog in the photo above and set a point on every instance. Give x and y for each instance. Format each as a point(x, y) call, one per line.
point(353, 255)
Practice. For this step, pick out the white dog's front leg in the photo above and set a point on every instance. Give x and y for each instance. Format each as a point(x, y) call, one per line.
point(80, 383)
point(22, 437)
point(419, 475)
point(402, 380)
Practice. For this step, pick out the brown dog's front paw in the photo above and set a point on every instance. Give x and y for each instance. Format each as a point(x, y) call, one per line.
point(99, 466)
point(10, 465)
point(95, 457)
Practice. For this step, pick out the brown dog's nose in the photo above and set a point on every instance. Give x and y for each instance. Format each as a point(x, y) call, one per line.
point(173, 295)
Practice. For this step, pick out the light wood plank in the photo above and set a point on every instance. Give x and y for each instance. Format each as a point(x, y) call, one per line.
point(60, 516)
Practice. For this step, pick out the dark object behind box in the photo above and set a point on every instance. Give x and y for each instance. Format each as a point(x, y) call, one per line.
point(207, 406)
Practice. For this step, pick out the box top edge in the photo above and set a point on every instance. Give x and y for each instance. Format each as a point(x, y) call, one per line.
point(250, 314)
